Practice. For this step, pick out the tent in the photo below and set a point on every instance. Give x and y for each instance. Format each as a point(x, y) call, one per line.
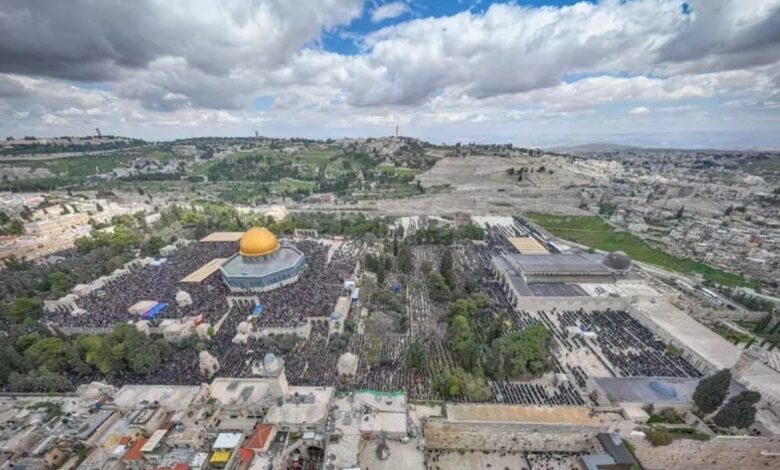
point(153, 312)
point(258, 310)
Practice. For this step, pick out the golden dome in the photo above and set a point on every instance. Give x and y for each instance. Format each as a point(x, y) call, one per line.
point(257, 241)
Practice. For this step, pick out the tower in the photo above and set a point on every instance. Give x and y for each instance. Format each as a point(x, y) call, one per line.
point(396, 131)
point(99, 135)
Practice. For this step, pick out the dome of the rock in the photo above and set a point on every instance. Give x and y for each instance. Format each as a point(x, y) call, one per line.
point(258, 241)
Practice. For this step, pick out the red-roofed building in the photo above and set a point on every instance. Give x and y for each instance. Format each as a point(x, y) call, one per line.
point(261, 439)
point(245, 455)
point(124, 440)
point(178, 466)
point(134, 458)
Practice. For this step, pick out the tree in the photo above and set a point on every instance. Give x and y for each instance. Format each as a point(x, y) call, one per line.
point(381, 273)
point(739, 412)
point(763, 323)
point(405, 258)
point(473, 232)
point(12, 360)
point(49, 353)
point(59, 282)
point(15, 227)
point(659, 437)
point(25, 308)
point(680, 213)
point(152, 246)
point(474, 386)
point(446, 383)
point(337, 343)
point(98, 207)
point(372, 355)
point(446, 269)
point(711, 391)
point(453, 384)
point(519, 354)
point(26, 213)
point(437, 287)
point(416, 357)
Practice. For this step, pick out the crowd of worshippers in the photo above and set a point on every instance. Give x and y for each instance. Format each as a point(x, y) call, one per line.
point(316, 292)
point(518, 393)
point(553, 461)
point(631, 349)
point(523, 460)
point(313, 295)
point(109, 305)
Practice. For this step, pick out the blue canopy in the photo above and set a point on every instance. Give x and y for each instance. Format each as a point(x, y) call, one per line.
point(153, 312)
point(663, 389)
point(258, 310)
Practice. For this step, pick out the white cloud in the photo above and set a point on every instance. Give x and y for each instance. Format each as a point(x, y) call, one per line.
point(388, 11)
point(206, 66)
point(640, 110)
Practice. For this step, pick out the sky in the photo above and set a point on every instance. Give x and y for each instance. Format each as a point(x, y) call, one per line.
point(699, 73)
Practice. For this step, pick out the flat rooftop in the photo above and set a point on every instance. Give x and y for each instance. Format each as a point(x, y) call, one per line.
point(558, 264)
point(168, 396)
point(528, 246)
point(302, 412)
point(237, 391)
point(473, 412)
point(698, 338)
point(200, 274)
point(640, 390)
point(223, 237)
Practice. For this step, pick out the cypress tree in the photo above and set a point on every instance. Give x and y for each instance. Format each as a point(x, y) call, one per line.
point(711, 391)
point(739, 412)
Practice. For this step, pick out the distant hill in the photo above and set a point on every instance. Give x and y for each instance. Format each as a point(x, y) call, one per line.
point(594, 147)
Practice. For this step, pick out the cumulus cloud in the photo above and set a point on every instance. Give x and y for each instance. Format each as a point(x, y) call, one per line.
point(388, 11)
point(640, 110)
point(88, 40)
point(171, 61)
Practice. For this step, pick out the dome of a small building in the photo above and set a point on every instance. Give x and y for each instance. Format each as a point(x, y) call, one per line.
point(183, 299)
point(244, 328)
point(258, 242)
point(617, 260)
point(271, 363)
point(347, 364)
point(382, 451)
point(209, 365)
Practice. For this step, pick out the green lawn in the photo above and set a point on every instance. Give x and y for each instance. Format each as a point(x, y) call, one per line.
point(731, 335)
point(161, 155)
point(398, 170)
point(594, 232)
point(285, 185)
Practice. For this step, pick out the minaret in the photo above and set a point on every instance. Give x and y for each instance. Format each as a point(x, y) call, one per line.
point(396, 131)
